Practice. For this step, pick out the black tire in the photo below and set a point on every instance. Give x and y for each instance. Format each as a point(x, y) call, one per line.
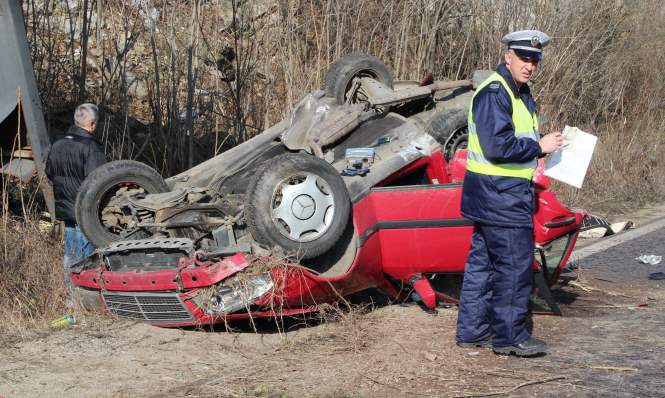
point(449, 128)
point(341, 74)
point(309, 182)
point(98, 187)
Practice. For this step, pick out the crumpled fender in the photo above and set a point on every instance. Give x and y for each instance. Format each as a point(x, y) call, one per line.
point(190, 274)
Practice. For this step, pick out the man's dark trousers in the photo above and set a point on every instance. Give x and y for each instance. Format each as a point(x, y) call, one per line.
point(497, 284)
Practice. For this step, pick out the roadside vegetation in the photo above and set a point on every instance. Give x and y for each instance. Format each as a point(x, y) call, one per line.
point(180, 81)
point(31, 276)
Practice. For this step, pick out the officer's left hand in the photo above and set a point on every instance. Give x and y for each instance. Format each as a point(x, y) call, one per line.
point(551, 142)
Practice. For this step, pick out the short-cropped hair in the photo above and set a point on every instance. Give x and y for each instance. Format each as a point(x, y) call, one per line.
point(86, 113)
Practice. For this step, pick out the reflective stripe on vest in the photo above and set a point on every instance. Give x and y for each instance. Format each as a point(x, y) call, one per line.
point(526, 126)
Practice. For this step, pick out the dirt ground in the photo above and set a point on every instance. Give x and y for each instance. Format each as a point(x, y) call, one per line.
point(608, 343)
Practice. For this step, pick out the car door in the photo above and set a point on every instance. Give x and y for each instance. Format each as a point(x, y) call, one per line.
point(418, 223)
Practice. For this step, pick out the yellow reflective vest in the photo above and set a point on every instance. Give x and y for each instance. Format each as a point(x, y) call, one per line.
point(526, 126)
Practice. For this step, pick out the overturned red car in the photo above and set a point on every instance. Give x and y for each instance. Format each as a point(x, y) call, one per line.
point(359, 188)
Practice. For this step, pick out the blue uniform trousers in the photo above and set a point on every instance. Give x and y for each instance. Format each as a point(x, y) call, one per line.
point(497, 284)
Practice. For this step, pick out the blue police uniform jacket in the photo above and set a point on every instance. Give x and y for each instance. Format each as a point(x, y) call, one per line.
point(492, 200)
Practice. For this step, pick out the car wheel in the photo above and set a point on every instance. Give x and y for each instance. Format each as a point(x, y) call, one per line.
point(299, 203)
point(102, 211)
point(449, 128)
point(339, 79)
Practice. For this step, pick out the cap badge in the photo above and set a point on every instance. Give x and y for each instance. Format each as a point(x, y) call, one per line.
point(535, 41)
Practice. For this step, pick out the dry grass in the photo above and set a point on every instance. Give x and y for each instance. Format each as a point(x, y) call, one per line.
point(31, 277)
point(600, 73)
point(339, 311)
point(627, 170)
point(352, 331)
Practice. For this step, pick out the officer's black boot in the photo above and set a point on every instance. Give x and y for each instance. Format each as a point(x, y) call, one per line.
point(530, 348)
point(485, 343)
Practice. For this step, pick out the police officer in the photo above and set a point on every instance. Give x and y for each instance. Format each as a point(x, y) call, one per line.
point(498, 196)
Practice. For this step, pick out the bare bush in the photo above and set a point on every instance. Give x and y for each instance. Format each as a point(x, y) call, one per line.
point(159, 67)
point(31, 277)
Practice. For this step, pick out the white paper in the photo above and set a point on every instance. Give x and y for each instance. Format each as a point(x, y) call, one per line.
point(570, 164)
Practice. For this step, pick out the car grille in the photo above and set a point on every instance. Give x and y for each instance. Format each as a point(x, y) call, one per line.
point(151, 307)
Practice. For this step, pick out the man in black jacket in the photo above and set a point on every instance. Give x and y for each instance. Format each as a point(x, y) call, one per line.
point(69, 162)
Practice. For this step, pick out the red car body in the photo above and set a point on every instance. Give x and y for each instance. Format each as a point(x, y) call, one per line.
point(404, 235)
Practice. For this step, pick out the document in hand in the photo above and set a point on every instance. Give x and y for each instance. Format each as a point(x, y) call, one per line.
point(570, 163)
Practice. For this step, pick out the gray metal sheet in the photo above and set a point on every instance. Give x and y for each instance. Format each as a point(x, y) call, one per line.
point(19, 168)
point(18, 76)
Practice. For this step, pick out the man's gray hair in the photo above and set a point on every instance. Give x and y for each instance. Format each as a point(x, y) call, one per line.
point(86, 113)
point(504, 49)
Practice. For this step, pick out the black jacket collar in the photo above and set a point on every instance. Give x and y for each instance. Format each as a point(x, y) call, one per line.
point(76, 131)
point(505, 73)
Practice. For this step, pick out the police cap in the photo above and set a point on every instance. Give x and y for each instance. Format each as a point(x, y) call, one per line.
point(527, 43)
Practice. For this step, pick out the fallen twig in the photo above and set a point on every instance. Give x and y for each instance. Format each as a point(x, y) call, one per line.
point(594, 289)
point(615, 368)
point(605, 280)
point(579, 286)
point(394, 387)
point(400, 346)
point(438, 377)
point(502, 373)
point(517, 387)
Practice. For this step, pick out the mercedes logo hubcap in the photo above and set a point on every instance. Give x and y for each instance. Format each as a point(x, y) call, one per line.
point(303, 207)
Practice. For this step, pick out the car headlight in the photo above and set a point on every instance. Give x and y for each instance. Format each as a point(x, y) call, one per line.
point(234, 294)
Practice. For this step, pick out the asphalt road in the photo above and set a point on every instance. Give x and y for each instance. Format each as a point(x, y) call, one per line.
point(611, 340)
point(620, 259)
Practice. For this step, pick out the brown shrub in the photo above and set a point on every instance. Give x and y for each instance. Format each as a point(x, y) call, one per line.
point(31, 276)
